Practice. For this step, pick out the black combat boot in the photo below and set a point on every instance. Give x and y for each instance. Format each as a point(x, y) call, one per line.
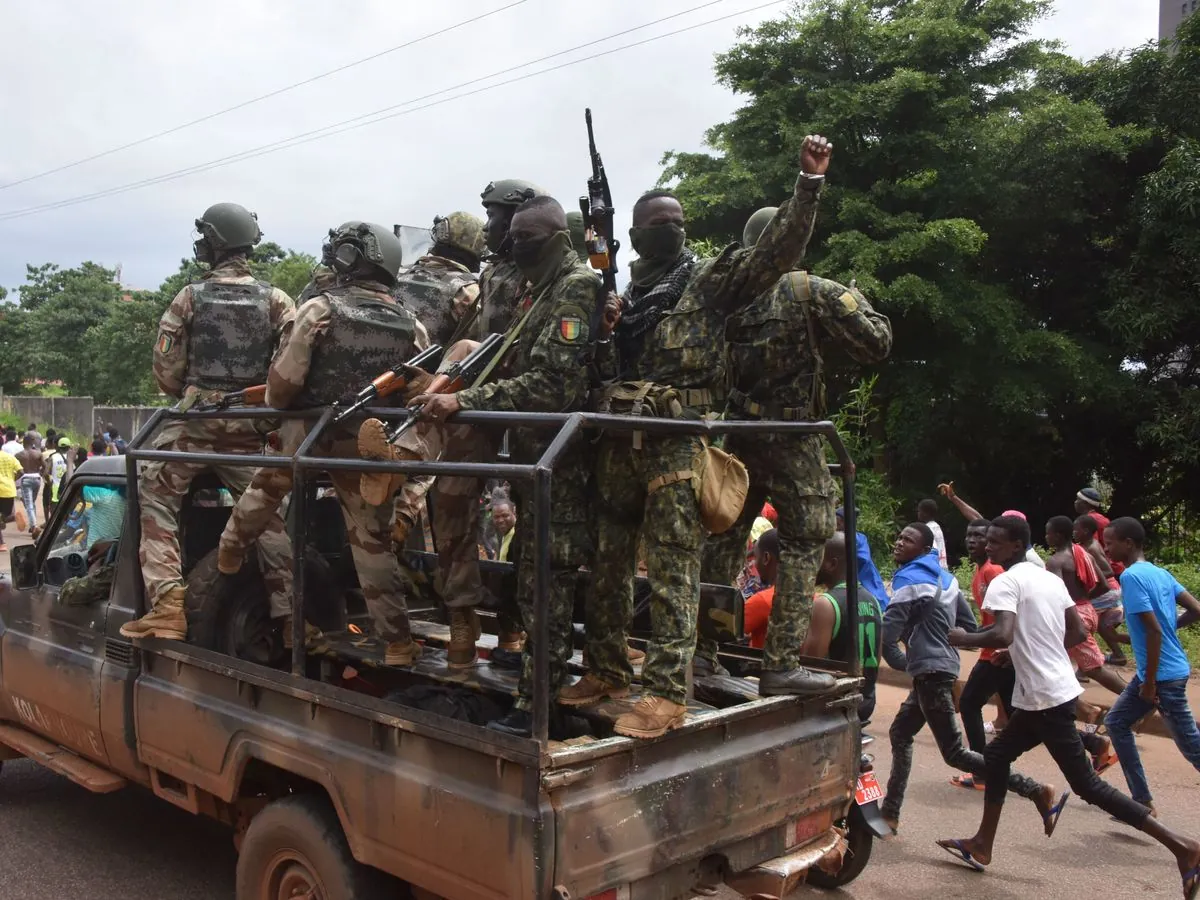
point(794, 681)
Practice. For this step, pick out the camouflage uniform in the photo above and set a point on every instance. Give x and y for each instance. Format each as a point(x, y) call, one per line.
point(775, 360)
point(439, 292)
point(316, 366)
point(643, 491)
point(322, 279)
point(547, 373)
point(189, 363)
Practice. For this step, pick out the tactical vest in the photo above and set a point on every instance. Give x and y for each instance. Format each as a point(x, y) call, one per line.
point(231, 338)
point(429, 294)
point(775, 366)
point(366, 336)
point(688, 353)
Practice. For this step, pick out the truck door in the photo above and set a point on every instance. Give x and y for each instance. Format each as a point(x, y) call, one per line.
point(55, 643)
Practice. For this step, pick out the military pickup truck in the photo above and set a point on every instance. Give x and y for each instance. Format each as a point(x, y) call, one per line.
point(337, 784)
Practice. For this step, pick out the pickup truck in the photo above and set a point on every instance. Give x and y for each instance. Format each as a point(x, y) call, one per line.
point(334, 785)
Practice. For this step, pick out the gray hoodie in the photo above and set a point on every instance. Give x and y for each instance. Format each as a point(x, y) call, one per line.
point(926, 604)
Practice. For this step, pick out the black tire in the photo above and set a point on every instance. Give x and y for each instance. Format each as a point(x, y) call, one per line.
point(296, 846)
point(861, 839)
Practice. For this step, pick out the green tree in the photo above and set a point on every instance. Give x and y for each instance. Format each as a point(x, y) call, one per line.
point(122, 348)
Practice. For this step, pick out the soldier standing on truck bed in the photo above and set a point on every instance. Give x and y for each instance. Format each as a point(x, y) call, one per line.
point(645, 484)
point(217, 336)
point(503, 288)
point(776, 372)
point(353, 328)
point(441, 287)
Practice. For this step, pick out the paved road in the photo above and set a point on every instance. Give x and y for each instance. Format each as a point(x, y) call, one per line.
point(56, 840)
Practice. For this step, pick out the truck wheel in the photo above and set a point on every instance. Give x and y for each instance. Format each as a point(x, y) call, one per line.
point(860, 838)
point(295, 848)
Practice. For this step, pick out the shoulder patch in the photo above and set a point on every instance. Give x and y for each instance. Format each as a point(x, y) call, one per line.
point(165, 342)
point(569, 327)
point(849, 304)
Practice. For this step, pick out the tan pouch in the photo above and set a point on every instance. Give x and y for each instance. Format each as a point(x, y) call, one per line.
point(724, 483)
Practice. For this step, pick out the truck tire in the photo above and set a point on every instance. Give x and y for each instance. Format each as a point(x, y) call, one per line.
point(860, 838)
point(295, 848)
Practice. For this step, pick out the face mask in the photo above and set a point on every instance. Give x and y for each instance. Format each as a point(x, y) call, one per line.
point(497, 238)
point(538, 260)
point(203, 252)
point(657, 247)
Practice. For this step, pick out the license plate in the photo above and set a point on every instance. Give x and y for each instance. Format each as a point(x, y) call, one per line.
point(867, 790)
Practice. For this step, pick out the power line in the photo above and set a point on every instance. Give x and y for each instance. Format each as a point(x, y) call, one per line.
point(261, 97)
point(386, 113)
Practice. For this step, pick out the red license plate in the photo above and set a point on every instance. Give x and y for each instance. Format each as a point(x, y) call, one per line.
point(867, 790)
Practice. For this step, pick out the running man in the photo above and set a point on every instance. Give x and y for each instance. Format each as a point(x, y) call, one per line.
point(1088, 534)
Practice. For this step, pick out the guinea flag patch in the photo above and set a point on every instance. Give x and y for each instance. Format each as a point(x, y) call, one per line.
point(569, 327)
point(165, 342)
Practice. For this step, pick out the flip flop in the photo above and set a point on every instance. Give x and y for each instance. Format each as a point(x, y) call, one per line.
point(969, 782)
point(956, 849)
point(1191, 883)
point(1051, 816)
point(1105, 761)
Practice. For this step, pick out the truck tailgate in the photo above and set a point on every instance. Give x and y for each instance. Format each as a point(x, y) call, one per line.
point(744, 789)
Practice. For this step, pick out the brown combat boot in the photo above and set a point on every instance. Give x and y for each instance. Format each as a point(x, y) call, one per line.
point(636, 656)
point(402, 653)
point(377, 488)
point(652, 717)
point(464, 632)
point(229, 559)
point(511, 640)
point(588, 690)
point(167, 620)
point(311, 632)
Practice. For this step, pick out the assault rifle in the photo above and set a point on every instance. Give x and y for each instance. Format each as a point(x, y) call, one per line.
point(457, 376)
point(391, 381)
point(598, 212)
point(255, 395)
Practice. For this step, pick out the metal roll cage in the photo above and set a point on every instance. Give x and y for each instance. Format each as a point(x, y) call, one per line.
point(303, 463)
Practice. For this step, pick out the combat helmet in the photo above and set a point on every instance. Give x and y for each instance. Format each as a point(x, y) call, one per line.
point(511, 192)
point(357, 243)
point(757, 224)
point(460, 230)
point(578, 233)
point(223, 227)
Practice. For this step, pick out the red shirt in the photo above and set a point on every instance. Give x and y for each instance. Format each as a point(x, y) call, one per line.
point(755, 615)
point(1102, 521)
point(979, 584)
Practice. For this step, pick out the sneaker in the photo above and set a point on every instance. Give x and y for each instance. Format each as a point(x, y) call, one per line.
point(794, 681)
point(229, 559)
point(589, 689)
point(166, 620)
point(511, 640)
point(652, 717)
point(402, 653)
point(464, 632)
point(377, 488)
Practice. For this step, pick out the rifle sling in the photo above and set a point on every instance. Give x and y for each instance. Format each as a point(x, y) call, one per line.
point(510, 338)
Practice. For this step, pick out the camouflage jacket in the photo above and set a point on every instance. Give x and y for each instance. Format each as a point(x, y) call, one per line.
point(545, 372)
point(502, 287)
point(439, 292)
point(688, 350)
point(776, 345)
point(642, 308)
point(174, 329)
point(290, 368)
point(321, 279)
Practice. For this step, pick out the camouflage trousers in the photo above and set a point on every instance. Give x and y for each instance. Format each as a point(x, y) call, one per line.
point(570, 548)
point(668, 522)
point(791, 471)
point(368, 528)
point(162, 486)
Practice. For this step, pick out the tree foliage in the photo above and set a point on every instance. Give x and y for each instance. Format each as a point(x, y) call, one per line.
point(995, 198)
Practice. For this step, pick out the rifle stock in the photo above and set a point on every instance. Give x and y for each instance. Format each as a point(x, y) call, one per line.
point(390, 382)
point(458, 375)
point(255, 395)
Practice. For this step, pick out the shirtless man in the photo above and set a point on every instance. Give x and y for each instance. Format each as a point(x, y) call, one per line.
point(30, 481)
point(1107, 601)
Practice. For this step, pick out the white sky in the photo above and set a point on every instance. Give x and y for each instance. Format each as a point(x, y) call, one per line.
point(80, 78)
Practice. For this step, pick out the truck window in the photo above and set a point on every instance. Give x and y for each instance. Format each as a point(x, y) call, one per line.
point(97, 513)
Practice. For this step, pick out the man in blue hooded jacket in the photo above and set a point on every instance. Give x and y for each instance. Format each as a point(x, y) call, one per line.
point(869, 578)
point(926, 603)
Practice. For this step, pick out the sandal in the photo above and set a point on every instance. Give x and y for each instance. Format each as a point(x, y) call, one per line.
point(1051, 816)
point(957, 849)
point(968, 781)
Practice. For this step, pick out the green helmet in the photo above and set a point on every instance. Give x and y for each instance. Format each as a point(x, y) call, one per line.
point(578, 234)
point(460, 230)
point(511, 192)
point(354, 244)
point(228, 226)
point(757, 224)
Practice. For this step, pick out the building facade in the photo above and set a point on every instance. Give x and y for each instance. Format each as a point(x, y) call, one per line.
point(1171, 13)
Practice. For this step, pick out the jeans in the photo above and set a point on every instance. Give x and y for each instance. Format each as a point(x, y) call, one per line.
point(931, 701)
point(1055, 727)
point(1130, 708)
point(984, 681)
point(28, 486)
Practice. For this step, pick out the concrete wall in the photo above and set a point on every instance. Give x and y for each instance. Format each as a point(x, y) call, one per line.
point(128, 419)
point(77, 414)
point(1171, 14)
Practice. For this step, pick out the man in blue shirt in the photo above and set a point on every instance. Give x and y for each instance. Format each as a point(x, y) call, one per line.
point(1151, 596)
point(868, 575)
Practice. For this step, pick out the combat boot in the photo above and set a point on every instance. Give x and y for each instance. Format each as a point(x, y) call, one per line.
point(167, 620)
point(589, 689)
point(513, 641)
point(652, 717)
point(229, 559)
point(402, 653)
point(464, 632)
point(794, 681)
point(377, 488)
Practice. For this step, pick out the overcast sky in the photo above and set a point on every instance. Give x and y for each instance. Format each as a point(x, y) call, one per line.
point(81, 78)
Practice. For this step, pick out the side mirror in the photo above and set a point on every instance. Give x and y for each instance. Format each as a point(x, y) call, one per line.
point(24, 566)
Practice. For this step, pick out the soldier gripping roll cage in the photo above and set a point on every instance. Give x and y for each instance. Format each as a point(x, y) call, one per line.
point(741, 335)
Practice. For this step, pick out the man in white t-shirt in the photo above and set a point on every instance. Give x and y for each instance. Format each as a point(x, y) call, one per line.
point(1035, 622)
point(927, 511)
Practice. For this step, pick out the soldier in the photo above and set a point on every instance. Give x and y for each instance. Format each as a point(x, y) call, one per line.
point(645, 484)
point(217, 336)
point(578, 234)
point(502, 288)
point(777, 347)
point(441, 288)
point(350, 329)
